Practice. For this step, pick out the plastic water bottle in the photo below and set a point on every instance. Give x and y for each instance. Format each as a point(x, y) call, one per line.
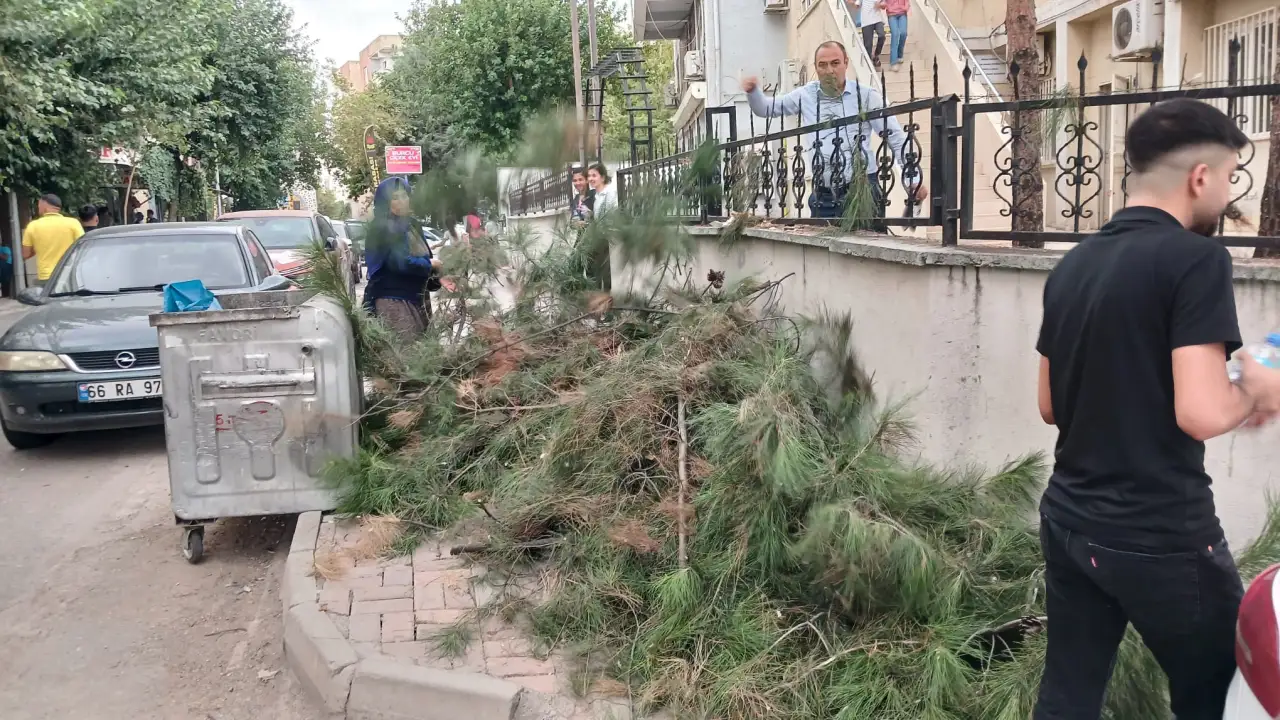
point(1267, 353)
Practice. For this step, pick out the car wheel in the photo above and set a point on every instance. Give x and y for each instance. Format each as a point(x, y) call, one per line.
point(25, 440)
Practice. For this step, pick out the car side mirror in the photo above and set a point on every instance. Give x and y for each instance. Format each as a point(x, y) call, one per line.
point(275, 282)
point(328, 244)
point(31, 296)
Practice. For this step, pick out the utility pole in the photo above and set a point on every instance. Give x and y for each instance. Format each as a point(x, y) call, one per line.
point(577, 83)
point(217, 191)
point(15, 245)
point(597, 97)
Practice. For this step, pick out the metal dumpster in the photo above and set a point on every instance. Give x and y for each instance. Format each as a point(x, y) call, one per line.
point(258, 396)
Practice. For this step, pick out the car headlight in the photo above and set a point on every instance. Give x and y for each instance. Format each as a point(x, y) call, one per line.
point(30, 361)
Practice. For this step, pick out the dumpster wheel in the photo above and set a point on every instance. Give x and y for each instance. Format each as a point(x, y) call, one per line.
point(193, 543)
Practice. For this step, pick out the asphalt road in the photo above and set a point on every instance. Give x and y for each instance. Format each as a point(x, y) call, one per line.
point(102, 618)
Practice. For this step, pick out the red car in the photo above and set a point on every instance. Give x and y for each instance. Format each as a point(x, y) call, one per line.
point(287, 233)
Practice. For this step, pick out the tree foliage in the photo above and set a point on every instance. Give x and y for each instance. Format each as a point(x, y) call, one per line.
point(78, 75)
point(263, 114)
point(352, 113)
point(226, 82)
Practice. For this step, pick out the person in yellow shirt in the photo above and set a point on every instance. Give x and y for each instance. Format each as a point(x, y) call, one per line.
point(49, 236)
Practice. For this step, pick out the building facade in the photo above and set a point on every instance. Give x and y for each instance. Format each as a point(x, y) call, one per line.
point(376, 58)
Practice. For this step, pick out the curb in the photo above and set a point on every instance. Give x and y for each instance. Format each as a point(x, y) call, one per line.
point(376, 687)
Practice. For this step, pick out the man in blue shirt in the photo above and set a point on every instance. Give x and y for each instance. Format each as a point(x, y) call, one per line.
point(832, 97)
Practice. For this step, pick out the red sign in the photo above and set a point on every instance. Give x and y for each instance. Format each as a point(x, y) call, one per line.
point(404, 160)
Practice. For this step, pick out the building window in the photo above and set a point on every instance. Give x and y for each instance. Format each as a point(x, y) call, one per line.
point(1255, 64)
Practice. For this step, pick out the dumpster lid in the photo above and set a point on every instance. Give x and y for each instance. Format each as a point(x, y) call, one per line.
point(241, 306)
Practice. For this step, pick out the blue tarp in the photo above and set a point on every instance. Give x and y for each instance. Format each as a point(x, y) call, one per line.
point(189, 296)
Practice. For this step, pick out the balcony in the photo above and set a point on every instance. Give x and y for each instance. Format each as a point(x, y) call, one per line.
point(661, 19)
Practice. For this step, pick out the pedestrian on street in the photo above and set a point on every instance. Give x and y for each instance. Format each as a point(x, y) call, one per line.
point(583, 203)
point(871, 15)
point(151, 216)
point(137, 218)
point(104, 216)
point(397, 290)
point(832, 97)
point(48, 237)
point(604, 194)
point(88, 217)
point(6, 271)
point(1139, 320)
point(897, 11)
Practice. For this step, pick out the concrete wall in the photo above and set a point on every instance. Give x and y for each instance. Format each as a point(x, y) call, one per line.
point(955, 330)
point(543, 228)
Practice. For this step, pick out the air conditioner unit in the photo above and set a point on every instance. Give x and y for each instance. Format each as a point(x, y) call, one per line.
point(670, 95)
point(776, 6)
point(1136, 27)
point(693, 65)
point(789, 75)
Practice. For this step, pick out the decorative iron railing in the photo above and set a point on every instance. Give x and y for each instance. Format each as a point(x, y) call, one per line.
point(832, 161)
point(856, 160)
point(1090, 178)
point(547, 193)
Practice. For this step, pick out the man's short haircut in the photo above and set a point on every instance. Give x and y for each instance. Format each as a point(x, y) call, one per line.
point(577, 170)
point(830, 44)
point(87, 213)
point(1173, 125)
point(53, 200)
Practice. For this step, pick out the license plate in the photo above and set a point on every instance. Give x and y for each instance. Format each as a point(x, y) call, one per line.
point(120, 390)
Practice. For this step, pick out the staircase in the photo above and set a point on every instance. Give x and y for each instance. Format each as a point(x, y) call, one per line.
point(930, 34)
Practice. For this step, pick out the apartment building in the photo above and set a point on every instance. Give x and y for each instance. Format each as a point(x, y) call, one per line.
point(375, 59)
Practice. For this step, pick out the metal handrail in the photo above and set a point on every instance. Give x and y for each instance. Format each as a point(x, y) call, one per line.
point(953, 36)
point(868, 65)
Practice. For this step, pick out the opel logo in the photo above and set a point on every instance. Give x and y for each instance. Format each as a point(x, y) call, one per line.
point(125, 360)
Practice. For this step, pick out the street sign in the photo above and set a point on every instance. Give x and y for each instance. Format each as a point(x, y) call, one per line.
point(404, 160)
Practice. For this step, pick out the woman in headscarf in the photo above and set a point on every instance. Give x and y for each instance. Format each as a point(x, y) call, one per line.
point(400, 263)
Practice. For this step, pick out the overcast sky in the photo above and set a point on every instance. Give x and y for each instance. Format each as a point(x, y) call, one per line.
point(342, 28)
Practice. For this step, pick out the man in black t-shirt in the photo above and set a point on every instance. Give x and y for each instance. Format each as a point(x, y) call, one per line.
point(1139, 320)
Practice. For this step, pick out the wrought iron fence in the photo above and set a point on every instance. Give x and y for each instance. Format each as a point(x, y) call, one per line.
point(860, 159)
point(550, 192)
point(865, 162)
point(1090, 171)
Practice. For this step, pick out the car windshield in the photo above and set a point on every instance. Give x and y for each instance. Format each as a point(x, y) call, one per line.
point(355, 230)
point(280, 233)
point(110, 264)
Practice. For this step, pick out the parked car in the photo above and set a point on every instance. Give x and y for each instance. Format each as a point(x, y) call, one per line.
point(1255, 690)
point(86, 357)
point(287, 233)
point(348, 247)
point(356, 230)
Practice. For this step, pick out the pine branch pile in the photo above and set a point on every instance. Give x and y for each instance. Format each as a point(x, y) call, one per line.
point(735, 526)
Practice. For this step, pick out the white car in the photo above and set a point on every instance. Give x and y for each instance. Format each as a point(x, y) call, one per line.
point(1255, 690)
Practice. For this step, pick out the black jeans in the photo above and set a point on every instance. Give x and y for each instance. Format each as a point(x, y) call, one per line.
point(1183, 604)
point(877, 30)
point(828, 202)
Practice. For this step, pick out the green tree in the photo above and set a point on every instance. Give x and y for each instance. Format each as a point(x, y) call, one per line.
point(330, 205)
point(77, 75)
point(353, 112)
point(482, 68)
point(263, 125)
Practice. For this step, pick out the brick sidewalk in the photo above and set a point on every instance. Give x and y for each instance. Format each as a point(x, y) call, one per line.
point(398, 607)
